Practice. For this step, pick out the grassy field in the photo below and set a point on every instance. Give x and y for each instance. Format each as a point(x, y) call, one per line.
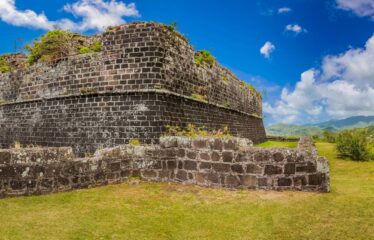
point(170, 211)
point(269, 144)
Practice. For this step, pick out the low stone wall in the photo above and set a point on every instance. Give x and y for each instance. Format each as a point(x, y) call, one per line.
point(229, 163)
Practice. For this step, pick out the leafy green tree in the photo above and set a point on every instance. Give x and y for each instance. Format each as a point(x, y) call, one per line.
point(329, 136)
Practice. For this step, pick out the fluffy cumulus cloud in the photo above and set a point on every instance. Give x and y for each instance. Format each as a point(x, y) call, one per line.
point(284, 10)
point(90, 15)
point(362, 8)
point(295, 28)
point(343, 87)
point(267, 49)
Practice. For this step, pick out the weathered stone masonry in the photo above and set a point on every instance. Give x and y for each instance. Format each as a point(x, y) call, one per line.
point(145, 78)
point(229, 163)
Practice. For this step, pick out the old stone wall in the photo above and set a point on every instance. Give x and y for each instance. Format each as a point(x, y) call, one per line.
point(228, 163)
point(144, 79)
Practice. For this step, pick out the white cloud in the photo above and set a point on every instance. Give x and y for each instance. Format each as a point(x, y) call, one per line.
point(267, 49)
point(92, 15)
point(294, 28)
point(343, 87)
point(362, 8)
point(284, 10)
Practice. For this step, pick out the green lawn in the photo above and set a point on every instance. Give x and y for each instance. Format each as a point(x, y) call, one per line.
point(268, 144)
point(171, 211)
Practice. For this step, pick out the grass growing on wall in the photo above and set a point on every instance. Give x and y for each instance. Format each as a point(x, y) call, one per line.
point(269, 144)
point(171, 211)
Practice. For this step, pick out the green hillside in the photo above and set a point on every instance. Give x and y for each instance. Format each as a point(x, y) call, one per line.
point(317, 129)
point(286, 130)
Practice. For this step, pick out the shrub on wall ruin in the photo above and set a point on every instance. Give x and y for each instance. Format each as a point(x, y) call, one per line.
point(193, 131)
point(204, 57)
point(4, 65)
point(58, 44)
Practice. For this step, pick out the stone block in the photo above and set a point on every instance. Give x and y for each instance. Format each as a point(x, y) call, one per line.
point(182, 175)
point(191, 154)
point(199, 143)
point(5, 157)
point(289, 168)
point(172, 164)
point(253, 168)
point(230, 144)
point(205, 156)
point(273, 170)
point(190, 165)
point(284, 182)
point(315, 179)
point(227, 156)
point(213, 177)
point(205, 165)
point(149, 173)
point(300, 181)
point(221, 167)
point(215, 156)
point(216, 144)
point(249, 181)
point(278, 157)
point(232, 181)
point(237, 168)
point(181, 153)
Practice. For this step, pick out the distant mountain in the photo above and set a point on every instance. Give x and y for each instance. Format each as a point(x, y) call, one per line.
point(317, 129)
point(286, 130)
point(348, 123)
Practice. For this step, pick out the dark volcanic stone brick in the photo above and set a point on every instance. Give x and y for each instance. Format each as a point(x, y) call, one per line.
point(204, 156)
point(232, 181)
point(261, 156)
point(284, 182)
point(171, 164)
point(191, 155)
point(229, 145)
point(300, 181)
point(4, 157)
point(216, 144)
point(227, 156)
point(116, 166)
point(201, 143)
point(272, 170)
point(190, 165)
point(253, 168)
point(289, 168)
point(237, 168)
point(315, 179)
point(309, 168)
point(249, 181)
point(215, 156)
point(213, 177)
point(149, 173)
point(181, 153)
point(262, 182)
point(205, 165)
point(221, 167)
point(181, 175)
point(278, 157)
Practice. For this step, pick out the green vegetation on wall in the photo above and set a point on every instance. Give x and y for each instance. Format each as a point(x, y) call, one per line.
point(193, 131)
point(204, 57)
point(4, 64)
point(58, 44)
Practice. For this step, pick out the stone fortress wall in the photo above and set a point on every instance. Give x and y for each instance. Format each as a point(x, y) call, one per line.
point(213, 162)
point(144, 79)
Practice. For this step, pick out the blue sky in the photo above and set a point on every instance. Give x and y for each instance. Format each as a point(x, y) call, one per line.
point(321, 68)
